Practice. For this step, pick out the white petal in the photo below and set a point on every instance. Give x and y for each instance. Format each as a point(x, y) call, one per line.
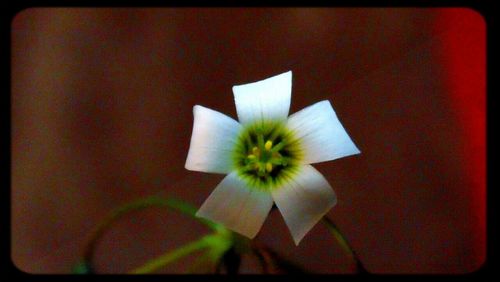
point(322, 135)
point(304, 200)
point(212, 141)
point(236, 206)
point(265, 99)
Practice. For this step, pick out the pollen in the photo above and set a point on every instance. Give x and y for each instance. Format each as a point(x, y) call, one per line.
point(266, 154)
point(268, 145)
point(269, 167)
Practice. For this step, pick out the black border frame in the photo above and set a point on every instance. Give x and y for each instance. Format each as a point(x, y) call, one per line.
point(486, 8)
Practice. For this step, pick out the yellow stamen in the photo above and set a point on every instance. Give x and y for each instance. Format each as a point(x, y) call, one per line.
point(269, 167)
point(268, 145)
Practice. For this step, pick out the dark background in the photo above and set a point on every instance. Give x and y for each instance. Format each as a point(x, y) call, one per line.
point(102, 114)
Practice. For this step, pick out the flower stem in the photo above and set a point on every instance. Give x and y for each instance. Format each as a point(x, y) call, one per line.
point(173, 255)
point(344, 243)
point(152, 201)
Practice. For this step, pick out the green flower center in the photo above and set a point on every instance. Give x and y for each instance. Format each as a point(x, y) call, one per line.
point(266, 154)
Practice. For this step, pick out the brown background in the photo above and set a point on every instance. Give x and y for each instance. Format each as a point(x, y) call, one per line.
point(102, 114)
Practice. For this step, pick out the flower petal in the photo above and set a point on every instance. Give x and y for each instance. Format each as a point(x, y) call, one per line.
point(304, 201)
point(265, 99)
point(236, 206)
point(322, 135)
point(212, 141)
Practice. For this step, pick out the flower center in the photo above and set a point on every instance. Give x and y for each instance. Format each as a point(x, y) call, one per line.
point(266, 153)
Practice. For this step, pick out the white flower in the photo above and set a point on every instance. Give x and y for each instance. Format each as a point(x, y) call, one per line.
point(267, 157)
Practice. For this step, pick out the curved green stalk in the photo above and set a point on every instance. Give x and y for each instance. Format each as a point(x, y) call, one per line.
point(140, 204)
point(344, 243)
point(171, 256)
point(217, 243)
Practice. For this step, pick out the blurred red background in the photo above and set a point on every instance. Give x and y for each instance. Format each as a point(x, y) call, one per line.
point(102, 114)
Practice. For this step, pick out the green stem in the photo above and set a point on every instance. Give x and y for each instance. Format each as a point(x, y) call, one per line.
point(344, 243)
point(152, 201)
point(173, 255)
